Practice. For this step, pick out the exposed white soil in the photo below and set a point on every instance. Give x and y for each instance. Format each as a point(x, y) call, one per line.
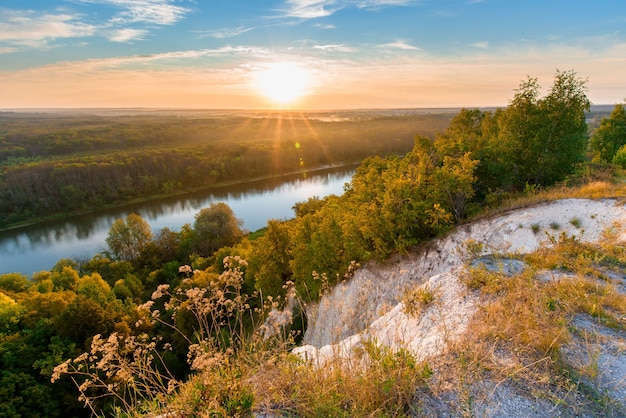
point(368, 307)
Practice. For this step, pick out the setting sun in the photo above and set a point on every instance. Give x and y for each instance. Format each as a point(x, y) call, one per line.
point(283, 83)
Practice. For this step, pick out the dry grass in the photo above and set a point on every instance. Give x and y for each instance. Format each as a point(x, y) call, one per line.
point(518, 334)
point(381, 382)
point(415, 300)
point(603, 186)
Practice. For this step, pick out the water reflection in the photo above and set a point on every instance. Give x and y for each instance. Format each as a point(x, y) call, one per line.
point(39, 247)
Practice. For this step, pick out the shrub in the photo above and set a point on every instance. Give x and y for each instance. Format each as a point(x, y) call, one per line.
point(417, 299)
point(620, 157)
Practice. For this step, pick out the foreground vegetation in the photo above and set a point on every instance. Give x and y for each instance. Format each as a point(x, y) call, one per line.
point(192, 306)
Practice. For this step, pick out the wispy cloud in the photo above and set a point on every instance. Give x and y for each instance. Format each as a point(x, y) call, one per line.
point(480, 45)
point(173, 57)
point(159, 12)
point(29, 28)
point(156, 12)
point(127, 35)
point(400, 44)
point(324, 26)
point(8, 50)
point(38, 29)
point(311, 9)
point(225, 33)
point(334, 48)
point(373, 4)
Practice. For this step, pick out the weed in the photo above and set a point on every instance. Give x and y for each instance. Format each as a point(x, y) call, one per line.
point(473, 248)
point(535, 228)
point(417, 299)
point(555, 225)
point(383, 383)
point(576, 222)
point(483, 279)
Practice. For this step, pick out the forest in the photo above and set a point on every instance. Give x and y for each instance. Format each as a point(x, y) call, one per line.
point(83, 322)
point(52, 165)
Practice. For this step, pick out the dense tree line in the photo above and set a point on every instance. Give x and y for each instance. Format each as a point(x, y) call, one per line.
point(80, 164)
point(392, 204)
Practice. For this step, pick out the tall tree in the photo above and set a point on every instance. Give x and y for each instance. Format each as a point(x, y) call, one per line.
point(270, 259)
point(216, 227)
point(542, 138)
point(610, 135)
point(129, 237)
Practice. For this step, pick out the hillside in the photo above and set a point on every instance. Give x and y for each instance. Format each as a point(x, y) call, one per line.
point(439, 303)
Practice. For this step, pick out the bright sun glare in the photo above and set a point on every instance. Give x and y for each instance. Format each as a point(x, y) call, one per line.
point(283, 83)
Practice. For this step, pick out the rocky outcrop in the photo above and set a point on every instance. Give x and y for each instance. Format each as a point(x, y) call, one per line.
point(368, 308)
point(376, 288)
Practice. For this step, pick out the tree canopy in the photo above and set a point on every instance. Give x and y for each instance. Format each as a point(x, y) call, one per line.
point(610, 136)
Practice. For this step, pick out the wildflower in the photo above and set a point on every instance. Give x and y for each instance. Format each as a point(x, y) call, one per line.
point(59, 370)
point(160, 291)
point(146, 306)
point(186, 270)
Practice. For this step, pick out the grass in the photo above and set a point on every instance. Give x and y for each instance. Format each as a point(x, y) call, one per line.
point(555, 225)
point(519, 334)
point(575, 222)
point(417, 299)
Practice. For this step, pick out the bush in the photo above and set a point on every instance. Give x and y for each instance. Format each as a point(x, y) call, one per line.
point(620, 157)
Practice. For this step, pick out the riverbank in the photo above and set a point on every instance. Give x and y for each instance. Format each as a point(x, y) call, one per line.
point(179, 194)
point(40, 246)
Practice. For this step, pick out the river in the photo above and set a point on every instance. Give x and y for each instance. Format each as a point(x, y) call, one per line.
point(38, 247)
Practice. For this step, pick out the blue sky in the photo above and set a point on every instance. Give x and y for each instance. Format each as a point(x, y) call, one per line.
point(303, 53)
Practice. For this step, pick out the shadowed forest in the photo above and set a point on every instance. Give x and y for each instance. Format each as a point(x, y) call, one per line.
point(165, 306)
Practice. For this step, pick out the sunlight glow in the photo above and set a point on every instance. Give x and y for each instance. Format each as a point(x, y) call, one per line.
point(283, 83)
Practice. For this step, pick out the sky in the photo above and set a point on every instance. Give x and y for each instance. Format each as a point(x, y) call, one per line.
point(306, 54)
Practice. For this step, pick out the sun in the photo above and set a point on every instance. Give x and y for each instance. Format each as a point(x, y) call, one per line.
point(283, 82)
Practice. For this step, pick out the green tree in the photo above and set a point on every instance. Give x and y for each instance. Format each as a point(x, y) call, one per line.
point(129, 237)
point(21, 395)
point(269, 262)
point(10, 312)
point(14, 283)
point(620, 157)
point(465, 134)
point(312, 205)
point(610, 135)
point(456, 179)
point(543, 138)
point(216, 227)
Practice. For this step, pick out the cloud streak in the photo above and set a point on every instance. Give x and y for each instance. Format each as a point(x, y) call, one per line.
point(225, 33)
point(159, 12)
point(400, 44)
point(312, 9)
point(127, 35)
point(480, 45)
point(334, 48)
point(28, 28)
point(38, 29)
